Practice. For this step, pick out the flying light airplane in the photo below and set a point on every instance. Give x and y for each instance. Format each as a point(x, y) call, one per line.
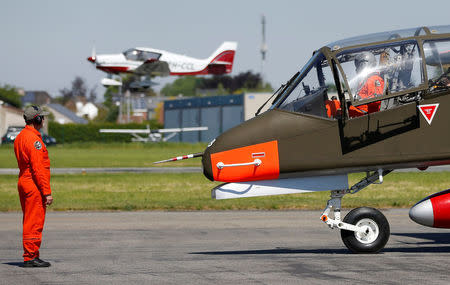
point(151, 62)
point(371, 104)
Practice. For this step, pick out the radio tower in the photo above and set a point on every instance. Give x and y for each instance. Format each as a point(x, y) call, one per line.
point(263, 46)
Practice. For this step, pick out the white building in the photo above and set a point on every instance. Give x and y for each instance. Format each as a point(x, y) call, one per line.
point(10, 116)
point(89, 110)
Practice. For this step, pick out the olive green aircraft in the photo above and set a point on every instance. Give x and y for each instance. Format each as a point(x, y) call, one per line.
point(372, 104)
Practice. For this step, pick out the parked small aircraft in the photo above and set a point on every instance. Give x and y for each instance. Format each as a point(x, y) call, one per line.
point(153, 135)
point(149, 62)
point(370, 104)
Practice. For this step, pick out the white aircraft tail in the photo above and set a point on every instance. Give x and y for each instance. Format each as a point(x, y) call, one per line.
point(221, 61)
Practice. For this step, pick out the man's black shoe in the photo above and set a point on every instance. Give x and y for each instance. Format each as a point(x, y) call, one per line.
point(36, 263)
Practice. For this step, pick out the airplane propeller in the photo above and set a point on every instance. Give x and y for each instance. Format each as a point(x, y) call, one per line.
point(92, 58)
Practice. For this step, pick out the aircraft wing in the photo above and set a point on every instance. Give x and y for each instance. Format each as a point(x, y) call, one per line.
point(178, 130)
point(125, 131)
point(154, 68)
point(148, 131)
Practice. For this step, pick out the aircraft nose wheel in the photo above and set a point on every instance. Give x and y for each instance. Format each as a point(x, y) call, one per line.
point(370, 233)
point(375, 234)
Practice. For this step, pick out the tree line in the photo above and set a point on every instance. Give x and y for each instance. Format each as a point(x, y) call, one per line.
point(218, 84)
point(184, 85)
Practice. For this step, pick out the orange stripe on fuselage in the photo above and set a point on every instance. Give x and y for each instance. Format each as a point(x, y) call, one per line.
point(269, 168)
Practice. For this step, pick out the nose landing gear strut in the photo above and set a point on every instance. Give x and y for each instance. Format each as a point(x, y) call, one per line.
point(363, 230)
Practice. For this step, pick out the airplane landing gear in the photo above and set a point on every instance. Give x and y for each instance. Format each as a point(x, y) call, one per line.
point(363, 230)
point(375, 235)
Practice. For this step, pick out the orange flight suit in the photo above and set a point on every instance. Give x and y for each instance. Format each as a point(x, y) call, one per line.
point(332, 106)
point(33, 185)
point(373, 86)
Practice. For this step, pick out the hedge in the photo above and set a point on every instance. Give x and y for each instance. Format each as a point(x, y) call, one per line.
point(68, 133)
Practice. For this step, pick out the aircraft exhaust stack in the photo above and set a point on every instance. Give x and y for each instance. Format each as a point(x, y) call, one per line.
point(433, 211)
point(199, 154)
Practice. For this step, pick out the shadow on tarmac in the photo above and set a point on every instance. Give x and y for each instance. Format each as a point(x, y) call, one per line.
point(428, 249)
point(430, 238)
point(18, 264)
point(276, 251)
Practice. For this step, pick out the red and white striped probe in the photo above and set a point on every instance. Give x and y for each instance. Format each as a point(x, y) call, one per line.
point(181, 157)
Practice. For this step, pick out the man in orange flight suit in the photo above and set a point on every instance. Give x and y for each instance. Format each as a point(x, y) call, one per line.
point(333, 107)
point(34, 184)
point(372, 86)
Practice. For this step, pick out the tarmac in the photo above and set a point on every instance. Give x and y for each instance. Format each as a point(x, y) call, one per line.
point(229, 247)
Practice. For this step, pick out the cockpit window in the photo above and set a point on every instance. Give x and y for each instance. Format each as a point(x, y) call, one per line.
point(382, 70)
point(140, 55)
point(437, 58)
point(314, 91)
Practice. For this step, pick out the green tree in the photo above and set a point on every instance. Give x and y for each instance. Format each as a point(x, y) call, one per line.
point(78, 89)
point(185, 86)
point(222, 84)
point(110, 112)
point(9, 95)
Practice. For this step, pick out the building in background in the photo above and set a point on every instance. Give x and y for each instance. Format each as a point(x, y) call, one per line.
point(10, 116)
point(86, 110)
point(218, 113)
point(137, 107)
point(36, 97)
point(64, 115)
point(155, 108)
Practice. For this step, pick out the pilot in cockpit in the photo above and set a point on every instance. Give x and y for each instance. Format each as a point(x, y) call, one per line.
point(370, 85)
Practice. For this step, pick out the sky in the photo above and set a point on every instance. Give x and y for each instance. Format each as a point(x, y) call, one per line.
point(45, 44)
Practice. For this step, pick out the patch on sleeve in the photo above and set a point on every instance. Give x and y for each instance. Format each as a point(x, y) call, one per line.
point(377, 83)
point(37, 145)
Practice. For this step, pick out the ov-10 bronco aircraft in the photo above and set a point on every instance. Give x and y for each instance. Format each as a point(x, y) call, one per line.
point(150, 62)
point(371, 104)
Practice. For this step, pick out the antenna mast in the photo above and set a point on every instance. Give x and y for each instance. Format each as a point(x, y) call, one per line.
point(263, 46)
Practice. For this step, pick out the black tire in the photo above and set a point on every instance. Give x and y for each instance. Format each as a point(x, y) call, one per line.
point(373, 243)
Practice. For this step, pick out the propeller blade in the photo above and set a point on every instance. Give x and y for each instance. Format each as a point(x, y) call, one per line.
point(92, 58)
point(93, 54)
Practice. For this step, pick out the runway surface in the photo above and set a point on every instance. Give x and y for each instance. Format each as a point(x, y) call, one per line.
point(235, 247)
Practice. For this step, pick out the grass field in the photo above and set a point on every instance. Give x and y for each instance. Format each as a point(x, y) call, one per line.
point(191, 191)
point(111, 155)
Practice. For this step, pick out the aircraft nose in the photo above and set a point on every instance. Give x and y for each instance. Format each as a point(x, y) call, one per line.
point(91, 59)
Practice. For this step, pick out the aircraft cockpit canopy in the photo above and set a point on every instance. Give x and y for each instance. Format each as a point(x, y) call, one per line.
point(394, 67)
point(140, 55)
point(389, 35)
point(369, 75)
point(311, 88)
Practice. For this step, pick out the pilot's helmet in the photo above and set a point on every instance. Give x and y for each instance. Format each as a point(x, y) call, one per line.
point(364, 60)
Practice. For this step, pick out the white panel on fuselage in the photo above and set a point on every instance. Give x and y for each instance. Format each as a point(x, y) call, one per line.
point(280, 186)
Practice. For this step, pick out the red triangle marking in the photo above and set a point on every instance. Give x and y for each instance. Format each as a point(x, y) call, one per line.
point(428, 111)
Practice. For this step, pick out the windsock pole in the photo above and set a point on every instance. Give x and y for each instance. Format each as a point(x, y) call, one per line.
point(181, 157)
